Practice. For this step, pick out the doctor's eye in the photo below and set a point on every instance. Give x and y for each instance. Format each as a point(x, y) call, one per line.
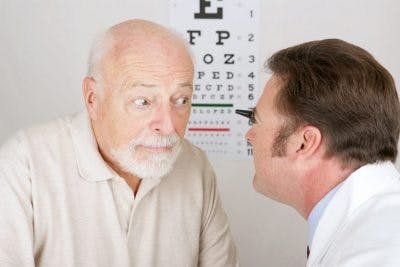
point(250, 114)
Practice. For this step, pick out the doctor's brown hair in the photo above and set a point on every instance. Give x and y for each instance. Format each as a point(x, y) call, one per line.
point(343, 91)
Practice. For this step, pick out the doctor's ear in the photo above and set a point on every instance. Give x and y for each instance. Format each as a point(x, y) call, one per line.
point(307, 140)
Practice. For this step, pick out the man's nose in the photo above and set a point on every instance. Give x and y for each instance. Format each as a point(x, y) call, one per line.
point(163, 120)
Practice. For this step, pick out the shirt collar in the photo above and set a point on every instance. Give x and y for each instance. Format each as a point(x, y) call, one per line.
point(91, 165)
point(317, 212)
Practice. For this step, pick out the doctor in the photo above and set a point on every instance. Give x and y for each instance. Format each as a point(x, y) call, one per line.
point(325, 134)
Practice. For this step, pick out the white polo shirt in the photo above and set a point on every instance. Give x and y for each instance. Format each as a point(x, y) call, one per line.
point(61, 205)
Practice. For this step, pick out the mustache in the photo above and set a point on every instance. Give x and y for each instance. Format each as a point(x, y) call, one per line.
point(156, 140)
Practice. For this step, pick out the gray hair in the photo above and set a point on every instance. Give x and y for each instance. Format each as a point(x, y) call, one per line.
point(101, 45)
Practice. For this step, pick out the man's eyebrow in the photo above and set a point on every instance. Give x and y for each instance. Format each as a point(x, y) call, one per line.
point(139, 85)
point(186, 84)
point(147, 85)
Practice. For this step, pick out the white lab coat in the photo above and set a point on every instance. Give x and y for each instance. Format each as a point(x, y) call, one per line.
point(361, 224)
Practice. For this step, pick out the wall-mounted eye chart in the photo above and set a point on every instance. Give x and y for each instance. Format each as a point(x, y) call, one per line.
point(224, 38)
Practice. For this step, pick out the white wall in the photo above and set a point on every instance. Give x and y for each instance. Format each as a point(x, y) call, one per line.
point(43, 50)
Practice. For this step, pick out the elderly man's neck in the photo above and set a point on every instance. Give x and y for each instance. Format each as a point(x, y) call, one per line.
point(132, 180)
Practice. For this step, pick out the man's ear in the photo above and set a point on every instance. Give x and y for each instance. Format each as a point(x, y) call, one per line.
point(90, 96)
point(306, 141)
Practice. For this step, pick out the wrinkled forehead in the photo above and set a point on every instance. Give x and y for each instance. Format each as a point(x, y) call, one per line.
point(152, 53)
point(149, 48)
point(144, 38)
point(148, 62)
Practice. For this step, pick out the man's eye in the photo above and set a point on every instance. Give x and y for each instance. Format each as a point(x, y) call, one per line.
point(181, 101)
point(141, 102)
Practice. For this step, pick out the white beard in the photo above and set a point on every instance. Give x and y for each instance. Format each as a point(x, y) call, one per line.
point(155, 165)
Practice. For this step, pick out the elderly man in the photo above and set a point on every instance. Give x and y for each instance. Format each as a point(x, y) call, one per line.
point(118, 185)
point(324, 136)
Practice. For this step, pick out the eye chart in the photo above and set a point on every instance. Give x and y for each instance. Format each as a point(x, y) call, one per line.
point(224, 38)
